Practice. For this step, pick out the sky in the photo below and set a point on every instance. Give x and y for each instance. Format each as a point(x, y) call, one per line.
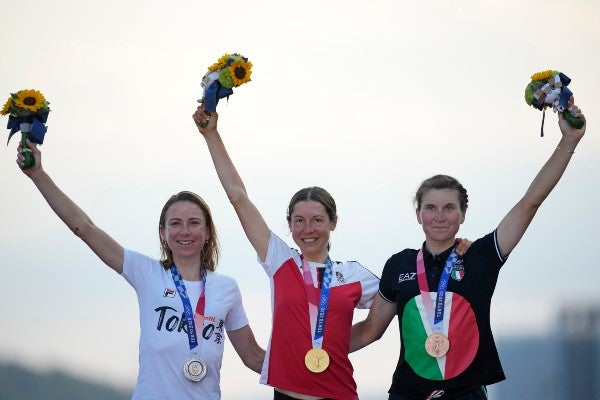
point(366, 99)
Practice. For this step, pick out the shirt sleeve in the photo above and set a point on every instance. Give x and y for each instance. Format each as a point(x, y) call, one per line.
point(136, 267)
point(236, 317)
point(277, 254)
point(386, 288)
point(369, 283)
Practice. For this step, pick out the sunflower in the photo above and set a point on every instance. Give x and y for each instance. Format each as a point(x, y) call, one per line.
point(542, 76)
point(221, 63)
point(6, 107)
point(240, 71)
point(30, 99)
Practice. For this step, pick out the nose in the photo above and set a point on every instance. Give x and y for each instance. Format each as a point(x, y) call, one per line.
point(185, 229)
point(439, 215)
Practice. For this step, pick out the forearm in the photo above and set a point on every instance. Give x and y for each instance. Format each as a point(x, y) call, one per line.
point(245, 345)
point(256, 359)
point(357, 337)
point(551, 172)
point(228, 176)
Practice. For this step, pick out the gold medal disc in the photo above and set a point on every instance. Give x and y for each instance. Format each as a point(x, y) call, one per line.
point(437, 345)
point(316, 360)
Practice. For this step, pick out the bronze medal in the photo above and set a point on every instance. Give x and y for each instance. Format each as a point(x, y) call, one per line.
point(316, 360)
point(437, 345)
point(194, 369)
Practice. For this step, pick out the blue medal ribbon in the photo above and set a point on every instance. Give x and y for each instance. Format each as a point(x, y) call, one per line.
point(187, 306)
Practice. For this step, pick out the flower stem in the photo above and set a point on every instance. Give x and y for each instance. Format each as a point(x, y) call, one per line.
point(29, 160)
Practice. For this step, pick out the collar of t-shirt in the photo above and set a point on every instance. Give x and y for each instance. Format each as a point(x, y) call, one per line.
point(435, 263)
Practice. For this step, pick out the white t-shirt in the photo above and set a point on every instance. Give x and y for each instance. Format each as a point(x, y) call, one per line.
point(164, 345)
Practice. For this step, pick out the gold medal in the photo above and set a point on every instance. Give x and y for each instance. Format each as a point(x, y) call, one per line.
point(437, 345)
point(316, 360)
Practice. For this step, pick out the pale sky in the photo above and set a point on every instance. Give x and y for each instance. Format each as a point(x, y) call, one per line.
point(363, 98)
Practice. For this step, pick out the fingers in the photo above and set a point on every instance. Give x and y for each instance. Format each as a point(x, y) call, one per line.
point(203, 119)
point(462, 245)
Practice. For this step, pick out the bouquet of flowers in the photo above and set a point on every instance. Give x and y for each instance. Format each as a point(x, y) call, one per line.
point(549, 89)
point(231, 70)
point(27, 112)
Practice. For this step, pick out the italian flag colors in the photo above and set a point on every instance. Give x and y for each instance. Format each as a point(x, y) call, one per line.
point(459, 326)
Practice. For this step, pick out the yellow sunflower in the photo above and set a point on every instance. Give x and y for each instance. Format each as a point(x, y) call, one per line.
point(240, 71)
point(6, 107)
point(220, 63)
point(31, 100)
point(541, 76)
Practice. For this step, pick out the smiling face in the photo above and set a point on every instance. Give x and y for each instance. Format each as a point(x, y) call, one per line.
point(185, 231)
point(311, 226)
point(440, 215)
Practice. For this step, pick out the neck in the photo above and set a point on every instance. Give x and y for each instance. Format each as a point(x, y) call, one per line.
point(436, 247)
point(321, 259)
point(189, 270)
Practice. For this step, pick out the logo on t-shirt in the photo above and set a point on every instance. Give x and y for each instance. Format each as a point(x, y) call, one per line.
point(340, 277)
point(409, 276)
point(458, 272)
point(169, 292)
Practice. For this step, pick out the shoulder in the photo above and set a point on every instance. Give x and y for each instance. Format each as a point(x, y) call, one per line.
point(402, 256)
point(486, 246)
point(356, 269)
point(220, 279)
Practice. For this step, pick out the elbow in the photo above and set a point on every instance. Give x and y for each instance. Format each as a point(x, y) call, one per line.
point(82, 229)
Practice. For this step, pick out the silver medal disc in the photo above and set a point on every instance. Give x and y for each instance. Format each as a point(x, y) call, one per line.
point(194, 369)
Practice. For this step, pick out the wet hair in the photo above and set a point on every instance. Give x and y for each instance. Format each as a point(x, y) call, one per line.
point(210, 252)
point(313, 193)
point(442, 182)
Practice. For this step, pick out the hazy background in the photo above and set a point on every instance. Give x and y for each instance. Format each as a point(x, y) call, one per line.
point(363, 98)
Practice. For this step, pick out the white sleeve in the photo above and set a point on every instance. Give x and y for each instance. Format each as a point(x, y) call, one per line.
point(236, 316)
point(369, 283)
point(277, 254)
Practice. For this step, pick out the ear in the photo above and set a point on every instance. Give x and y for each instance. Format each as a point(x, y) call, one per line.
point(161, 233)
point(333, 224)
point(463, 217)
point(418, 216)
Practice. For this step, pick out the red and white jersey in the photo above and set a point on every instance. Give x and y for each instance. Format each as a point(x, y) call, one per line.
point(352, 286)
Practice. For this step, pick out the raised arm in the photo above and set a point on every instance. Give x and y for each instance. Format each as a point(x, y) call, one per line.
point(513, 226)
point(252, 221)
point(105, 247)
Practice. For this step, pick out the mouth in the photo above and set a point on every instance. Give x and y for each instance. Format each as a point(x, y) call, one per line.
point(309, 240)
point(185, 242)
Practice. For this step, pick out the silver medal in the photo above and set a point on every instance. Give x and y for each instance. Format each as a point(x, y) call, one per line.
point(194, 369)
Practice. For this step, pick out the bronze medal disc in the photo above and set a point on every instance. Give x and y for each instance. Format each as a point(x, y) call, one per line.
point(316, 360)
point(437, 345)
point(194, 369)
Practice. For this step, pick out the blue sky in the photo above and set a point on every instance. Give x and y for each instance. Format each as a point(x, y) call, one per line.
point(364, 99)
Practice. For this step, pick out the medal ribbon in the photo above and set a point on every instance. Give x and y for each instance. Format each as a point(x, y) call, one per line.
point(187, 307)
point(318, 301)
point(436, 318)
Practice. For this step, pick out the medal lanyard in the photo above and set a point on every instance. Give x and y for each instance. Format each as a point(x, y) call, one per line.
point(318, 301)
point(187, 307)
point(435, 318)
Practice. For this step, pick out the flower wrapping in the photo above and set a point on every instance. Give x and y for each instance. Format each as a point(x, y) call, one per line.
point(549, 89)
point(27, 112)
point(231, 70)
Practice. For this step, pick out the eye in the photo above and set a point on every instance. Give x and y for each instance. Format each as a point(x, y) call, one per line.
point(173, 223)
